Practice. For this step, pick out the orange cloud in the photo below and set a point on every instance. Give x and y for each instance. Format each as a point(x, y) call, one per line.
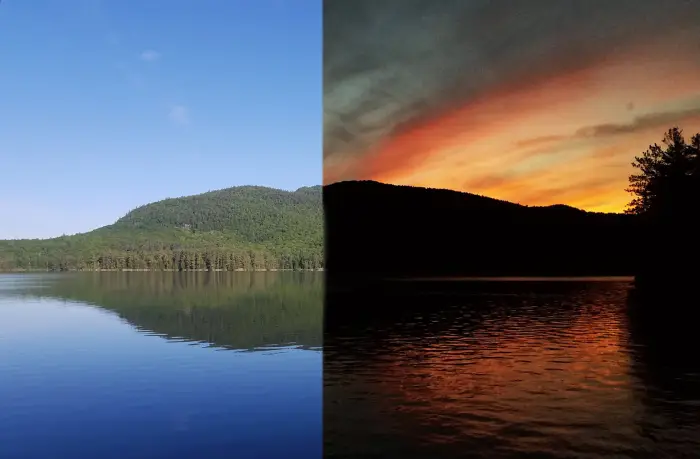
point(566, 138)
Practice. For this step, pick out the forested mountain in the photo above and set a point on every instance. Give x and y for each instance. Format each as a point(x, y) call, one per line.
point(239, 228)
point(378, 229)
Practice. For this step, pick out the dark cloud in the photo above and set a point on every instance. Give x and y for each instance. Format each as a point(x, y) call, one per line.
point(640, 123)
point(391, 63)
point(661, 120)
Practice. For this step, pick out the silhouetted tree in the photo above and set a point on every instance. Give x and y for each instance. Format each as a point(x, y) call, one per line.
point(667, 198)
point(666, 186)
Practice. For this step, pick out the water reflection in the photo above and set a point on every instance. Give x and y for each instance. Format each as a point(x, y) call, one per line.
point(83, 377)
point(506, 369)
point(666, 362)
point(247, 311)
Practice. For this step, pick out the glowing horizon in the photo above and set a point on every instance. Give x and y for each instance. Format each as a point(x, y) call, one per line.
point(557, 131)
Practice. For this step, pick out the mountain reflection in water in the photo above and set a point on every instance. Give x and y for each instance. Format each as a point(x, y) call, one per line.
point(245, 311)
point(150, 365)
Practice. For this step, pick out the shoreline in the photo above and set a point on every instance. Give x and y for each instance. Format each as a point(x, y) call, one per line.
point(16, 271)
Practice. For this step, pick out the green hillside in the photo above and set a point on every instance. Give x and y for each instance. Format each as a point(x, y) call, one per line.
point(239, 228)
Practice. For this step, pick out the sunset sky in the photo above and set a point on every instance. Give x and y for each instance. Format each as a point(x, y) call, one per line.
point(538, 102)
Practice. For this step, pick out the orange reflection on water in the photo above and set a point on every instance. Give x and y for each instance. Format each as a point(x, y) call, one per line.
point(543, 377)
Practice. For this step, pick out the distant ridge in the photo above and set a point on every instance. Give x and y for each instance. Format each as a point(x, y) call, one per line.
point(376, 229)
point(237, 228)
point(444, 192)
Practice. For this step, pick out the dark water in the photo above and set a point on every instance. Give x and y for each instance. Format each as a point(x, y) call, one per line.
point(510, 369)
point(161, 365)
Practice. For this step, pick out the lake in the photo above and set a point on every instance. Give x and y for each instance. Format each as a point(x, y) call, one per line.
point(511, 368)
point(161, 365)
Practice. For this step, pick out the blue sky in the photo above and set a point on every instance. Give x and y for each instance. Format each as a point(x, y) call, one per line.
point(107, 105)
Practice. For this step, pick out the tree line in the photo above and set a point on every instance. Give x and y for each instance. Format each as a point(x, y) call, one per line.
point(236, 229)
point(177, 260)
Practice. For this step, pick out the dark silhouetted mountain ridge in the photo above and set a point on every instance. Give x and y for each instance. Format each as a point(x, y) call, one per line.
point(375, 229)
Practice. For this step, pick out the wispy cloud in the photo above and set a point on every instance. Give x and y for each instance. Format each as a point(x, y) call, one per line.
point(132, 76)
point(392, 65)
point(179, 114)
point(542, 102)
point(150, 55)
point(658, 120)
point(640, 123)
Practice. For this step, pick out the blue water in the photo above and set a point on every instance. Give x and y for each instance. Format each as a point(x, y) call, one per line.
point(79, 380)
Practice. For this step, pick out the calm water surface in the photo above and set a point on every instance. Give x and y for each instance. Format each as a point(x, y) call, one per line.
point(161, 365)
point(543, 369)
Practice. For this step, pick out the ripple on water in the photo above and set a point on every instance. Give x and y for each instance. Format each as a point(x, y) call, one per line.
point(562, 374)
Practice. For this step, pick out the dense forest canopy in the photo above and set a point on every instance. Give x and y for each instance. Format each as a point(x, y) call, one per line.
point(239, 228)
